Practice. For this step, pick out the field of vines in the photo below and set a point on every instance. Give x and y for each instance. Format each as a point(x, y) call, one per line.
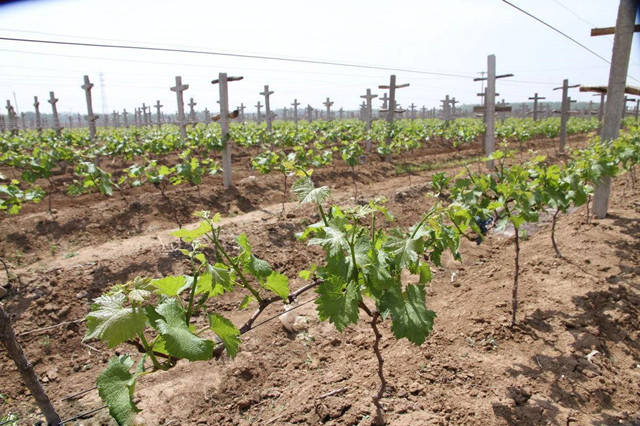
point(348, 277)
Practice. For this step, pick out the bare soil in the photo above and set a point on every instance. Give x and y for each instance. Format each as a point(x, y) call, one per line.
point(473, 369)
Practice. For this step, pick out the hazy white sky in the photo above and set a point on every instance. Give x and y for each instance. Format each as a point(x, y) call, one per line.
point(453, 36)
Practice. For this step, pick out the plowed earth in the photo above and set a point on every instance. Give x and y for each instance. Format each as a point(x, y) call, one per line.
point(573, 358)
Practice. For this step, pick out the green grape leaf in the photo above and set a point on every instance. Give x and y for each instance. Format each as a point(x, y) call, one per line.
point(333, 240)
point(215, 281)
point(227, 332)
point(337, 304)
point(279, 284)
point(116, 386)
point(409, 314)
point(112, 322)
point(180, 342)
point(306, 191)
point(170, 286)
point(190, 235)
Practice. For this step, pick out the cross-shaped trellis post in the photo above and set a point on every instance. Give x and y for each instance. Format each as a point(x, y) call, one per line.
point(412, 108)
point(489, 108)
point(267, 107)
point(207, 116)
point(192, 112)
point(179, 88)
point(624, 108)
point(309, 113)
point(158, 114)
point(116, 118)
point(91, 117)
point(125, 118)
point(446, 102)
point(393, 86)
point(36, 106)
point(222, 82)
point(423, 112)
point(564, 111)
point(241, 108)
point(601, 106)
point(368, 115)
point(295, 105)
point(535, 100)
point(327, 105)
point(12, 118)
point(258, 115)
point(54, 110)
point(453, 103)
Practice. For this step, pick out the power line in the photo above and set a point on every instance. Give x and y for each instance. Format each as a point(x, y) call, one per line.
point(557, 30)
point(563, 34)
point(233, 55)
point(573, 13)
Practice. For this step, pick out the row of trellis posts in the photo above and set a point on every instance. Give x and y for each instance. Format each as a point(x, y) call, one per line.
point(390, 109)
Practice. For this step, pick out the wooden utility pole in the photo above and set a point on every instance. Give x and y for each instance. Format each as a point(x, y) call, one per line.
point(267, 107)
point(535, 100)
point(91, 117)
point(625, 26)
point(28, 374)
point(54, 110)
point(179, 88)
point(564, 111)
point(490, 106)
point(368, 115)
point(224, 125)
point(295, 105)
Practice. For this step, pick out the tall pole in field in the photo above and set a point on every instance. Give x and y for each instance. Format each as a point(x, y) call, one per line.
point(535, 100)
point(392, 104)
point(564, 111)
point(241, 109)
point(91, 117)
point(328, 104)
point(158, 114)
point(179, 88)
point(267, 106)
point(368, 116)
point(54, 110)
point(258, 116)
point(125, 117)
point(490, 106)
point(36, 106)
point(192, 112)
point(615, 92)
point(295, 105)
point(309, 113)
point(224, 125)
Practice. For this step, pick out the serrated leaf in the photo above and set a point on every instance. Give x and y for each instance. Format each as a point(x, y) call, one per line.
point(338, 304)
point(215, 281)
point(246, 301)
point(180, 342)
point(279, 284)
point(170, 286)
point(116, 386)
point(306, 191)
point(190, 235)
point(113, 323)
point(409, 314)
point(333, 240)
point(227, 332)
point(404, 249)
point(257, 267)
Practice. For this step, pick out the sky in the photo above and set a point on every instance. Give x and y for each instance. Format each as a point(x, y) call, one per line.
point(453, 36)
